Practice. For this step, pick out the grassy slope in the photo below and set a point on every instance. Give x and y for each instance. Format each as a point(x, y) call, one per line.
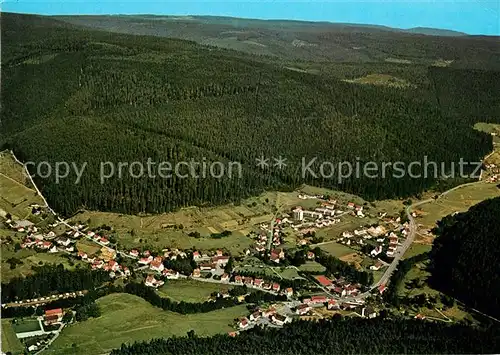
point(190, 291)
point(126, 318)
point(9, 340)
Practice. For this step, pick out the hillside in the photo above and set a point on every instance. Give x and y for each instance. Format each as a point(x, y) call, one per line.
point(90, 97)
point(316, 41)
point(340, 336)
point(465, 257)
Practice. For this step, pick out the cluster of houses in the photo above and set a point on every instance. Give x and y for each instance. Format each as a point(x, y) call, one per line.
point(270, 314)
point(380, 234)
point(340, 286)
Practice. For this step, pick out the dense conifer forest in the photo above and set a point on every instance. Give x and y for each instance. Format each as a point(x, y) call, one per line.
point(465, 257)
point(85, 97)
point(340, 336)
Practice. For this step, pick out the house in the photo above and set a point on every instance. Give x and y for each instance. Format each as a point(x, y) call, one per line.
point(54, 249)
point(220, 260)
point(243, 323)
point(260, 248)
point(238, 279)
point(276, 287)
point(53, 316)
point(248, 280)
point(196, 255)
point(333, 304)
point(298, 214)
point(310, 255)
point(196, 273)
point(82, 255)
point(90, 234)
point(376, 251)
point(420, 316)
point(269, 312)
point(267, 286)
point(113, 265)
point(108, 253)
point(146, 253)
point(381, 288)
point(134, 253)
point(45, 245)
point(232, 334)
point(351, 205)
point(377, 266)
point(126, 271)
point(280, 320)
point(225, 277)
point(219, 252)
point(258, 282)
point(152, 282)
point(104, 241)
point(289, 292)
point(318, 299)
point(69, 249)
point(275, 257)
point(170, 274)
point(368, 312)
point(146, 261)
point(302, 309)
point(63, 241)
point(157, 264)
point(255, 316)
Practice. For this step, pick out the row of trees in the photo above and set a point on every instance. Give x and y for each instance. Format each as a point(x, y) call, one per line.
point(52, 279)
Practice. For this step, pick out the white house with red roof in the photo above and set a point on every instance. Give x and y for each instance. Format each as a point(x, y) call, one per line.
point(243, 323)
point(170, 274)
point(225, 277)
point(157, 264)
point(302, 309)
point(196, 273)
point(196, 255)
point(146, 260)
point(276, 287)
point(134, 253)
point(152, 282)
point(333, 304)
point(258, 282)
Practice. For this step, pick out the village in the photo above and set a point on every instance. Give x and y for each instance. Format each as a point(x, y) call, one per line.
point(315, 297)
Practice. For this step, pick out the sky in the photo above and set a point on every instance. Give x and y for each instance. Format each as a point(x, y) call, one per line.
point(469, 16)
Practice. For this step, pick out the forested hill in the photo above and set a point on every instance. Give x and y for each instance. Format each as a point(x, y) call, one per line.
point(79, 96)
point(340, 336)
point(316, 41)
point(465, 257)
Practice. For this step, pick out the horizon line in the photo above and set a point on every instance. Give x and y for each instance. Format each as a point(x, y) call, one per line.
point(366, 24)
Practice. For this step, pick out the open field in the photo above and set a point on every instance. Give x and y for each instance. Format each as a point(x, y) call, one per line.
point(126, 318)
point(381, 80)
point(336, 249)
point(10, 343)
point(15, 198)
point(312, 266)
point(26, 325)
point(15, 192)
point(172, 229)
point(190, 290)
point(456, 201)
point(29, 259)
point(417, 248)
point(12, 169)
point(88, 247)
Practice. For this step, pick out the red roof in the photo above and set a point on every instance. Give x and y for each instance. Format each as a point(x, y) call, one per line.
point(324, 280)
point(52, 312)
point(318, 299)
